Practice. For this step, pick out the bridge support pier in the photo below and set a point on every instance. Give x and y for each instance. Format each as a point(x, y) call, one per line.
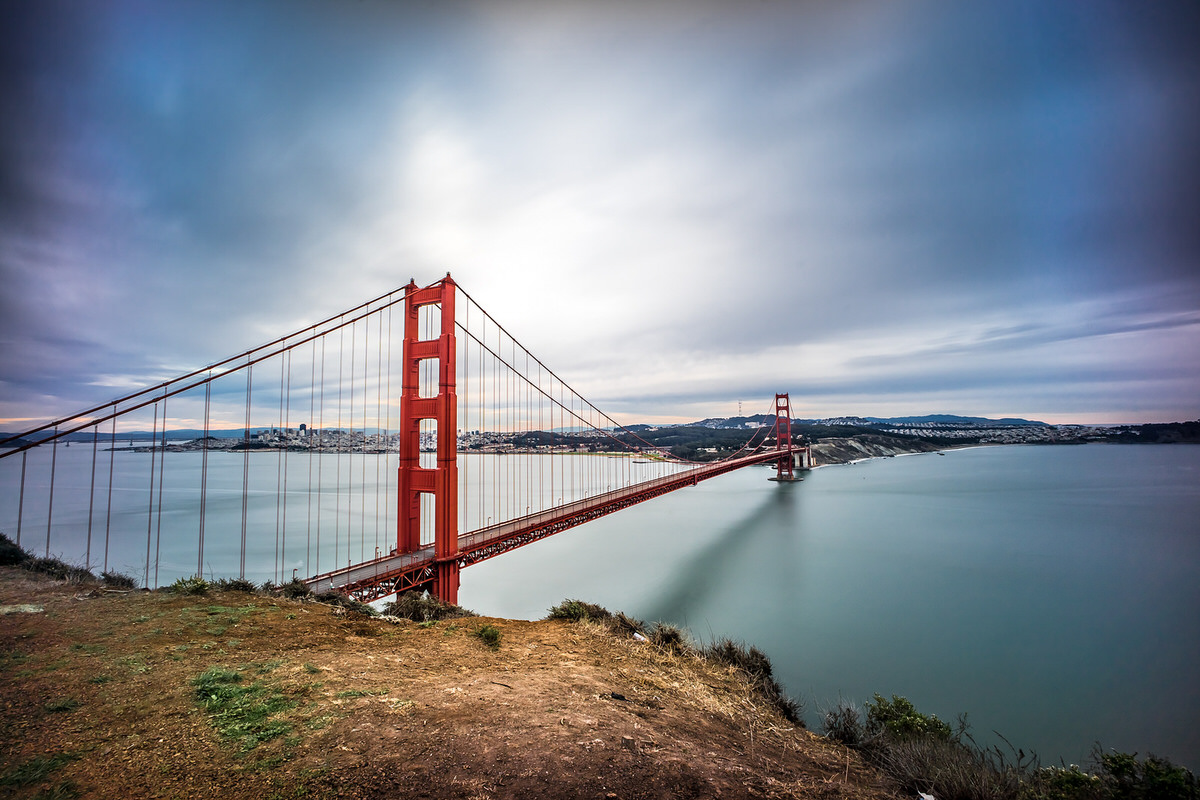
point(442, 481)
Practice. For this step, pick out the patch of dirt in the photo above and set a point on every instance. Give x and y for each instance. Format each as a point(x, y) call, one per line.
point(97, 700)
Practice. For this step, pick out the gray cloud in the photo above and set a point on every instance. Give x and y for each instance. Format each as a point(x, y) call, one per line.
point(654, 193)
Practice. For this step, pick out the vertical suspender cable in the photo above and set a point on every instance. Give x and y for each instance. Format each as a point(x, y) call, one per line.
point(387, 426)
point(87, 559)
point(508, 430)
point(112, 454)
point(321, 456)
point(362, 483)
point(277, 568)
point(337, 496)
point(203, 476)
point(21, 497)
point(481, 427)
point(287, 445)
point(162, 463)
point(528, 449)
point(50, 508)
point(380, 443)
point(462, 365)
point(353, 436)
point(498, 509)
point(571, 424)
point(246, 471)
point(514, 470)
point(150, 506)
point(312, 405)
point(553, 448)
point(549, 440)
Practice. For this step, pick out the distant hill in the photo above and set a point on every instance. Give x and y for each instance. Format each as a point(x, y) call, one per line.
point(928, 419)
point(954, 419)
point(734, 422)
point(182, 433)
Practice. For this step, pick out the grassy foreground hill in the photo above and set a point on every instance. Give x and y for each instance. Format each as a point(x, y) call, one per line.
point(131, 694)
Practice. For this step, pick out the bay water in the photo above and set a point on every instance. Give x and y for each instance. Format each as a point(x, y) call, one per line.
point(1052, 593)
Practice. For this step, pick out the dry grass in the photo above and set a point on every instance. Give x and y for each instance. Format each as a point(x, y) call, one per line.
point(339, 703)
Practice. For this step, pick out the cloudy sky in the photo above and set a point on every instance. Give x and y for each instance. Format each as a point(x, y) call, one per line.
point(882, 207)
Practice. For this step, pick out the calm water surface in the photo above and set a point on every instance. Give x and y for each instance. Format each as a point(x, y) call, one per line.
point(1051, 592)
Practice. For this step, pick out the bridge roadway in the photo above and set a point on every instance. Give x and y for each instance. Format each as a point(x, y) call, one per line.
point(399, 572)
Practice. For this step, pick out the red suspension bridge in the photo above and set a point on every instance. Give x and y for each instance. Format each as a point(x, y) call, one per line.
point(393, 445)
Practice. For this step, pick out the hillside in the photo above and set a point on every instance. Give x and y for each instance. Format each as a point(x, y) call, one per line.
point(236, 695)
point(842, 450)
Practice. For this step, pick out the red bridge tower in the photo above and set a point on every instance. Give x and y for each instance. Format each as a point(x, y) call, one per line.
point(442, 481)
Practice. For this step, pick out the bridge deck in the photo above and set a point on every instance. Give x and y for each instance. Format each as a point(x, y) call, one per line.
point(398, 572)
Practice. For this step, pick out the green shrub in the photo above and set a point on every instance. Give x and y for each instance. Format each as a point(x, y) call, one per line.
point(423, 607)
point(340, 600)
point(295, 589)
point(920, 753)
point(58, 569)
point(116, 580)
point(1063, 783)
point(900, 718)
point(1124, 777)
point(844, 723)
point(194, 585)
point(489, 635)
point(1115, 776)
point(576, 610)
point(235, 585)
point(10, 553)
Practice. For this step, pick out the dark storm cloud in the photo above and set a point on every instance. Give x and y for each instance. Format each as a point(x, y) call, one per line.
point(180, 157)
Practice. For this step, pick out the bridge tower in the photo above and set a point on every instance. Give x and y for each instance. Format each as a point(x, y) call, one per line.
point(786, 465)
point(783, 437)
point(442, 481)
point(792, 459)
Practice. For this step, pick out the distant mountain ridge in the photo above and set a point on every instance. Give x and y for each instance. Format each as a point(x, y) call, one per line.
point(952, 418)
point(924, 420)
point(173, 434)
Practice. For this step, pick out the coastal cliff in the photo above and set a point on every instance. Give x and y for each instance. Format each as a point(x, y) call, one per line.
point(843, 450)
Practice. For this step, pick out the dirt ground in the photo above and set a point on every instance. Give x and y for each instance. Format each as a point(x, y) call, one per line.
point(97, 699)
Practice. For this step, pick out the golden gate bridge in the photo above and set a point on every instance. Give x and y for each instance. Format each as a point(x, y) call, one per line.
point(413, 430)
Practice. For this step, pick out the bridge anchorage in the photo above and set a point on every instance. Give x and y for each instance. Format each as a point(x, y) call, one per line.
point(483, 449)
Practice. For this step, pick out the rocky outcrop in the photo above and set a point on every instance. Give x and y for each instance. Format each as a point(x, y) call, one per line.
point(845, 450)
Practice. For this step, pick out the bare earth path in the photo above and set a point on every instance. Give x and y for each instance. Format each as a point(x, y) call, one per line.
point(98, 699)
